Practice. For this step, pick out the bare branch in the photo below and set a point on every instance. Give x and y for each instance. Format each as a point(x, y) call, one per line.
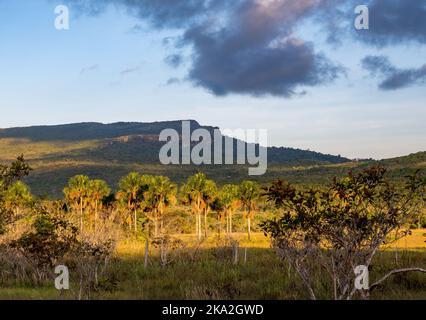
point(396, 271)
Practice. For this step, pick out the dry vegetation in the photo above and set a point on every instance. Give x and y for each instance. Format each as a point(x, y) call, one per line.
point(208, 272)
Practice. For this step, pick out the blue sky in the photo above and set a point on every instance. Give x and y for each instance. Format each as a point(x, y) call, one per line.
point(103, 70)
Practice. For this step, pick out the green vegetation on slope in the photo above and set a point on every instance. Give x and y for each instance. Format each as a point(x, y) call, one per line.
point(109, 151)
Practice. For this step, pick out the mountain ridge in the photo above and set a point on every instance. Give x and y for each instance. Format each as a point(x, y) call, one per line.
point(110, 151)
point(92, 130)
point(85, 131)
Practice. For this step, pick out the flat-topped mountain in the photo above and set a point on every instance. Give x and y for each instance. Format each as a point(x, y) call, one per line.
point(110, 151)
point(93, 130)
point(129, 142)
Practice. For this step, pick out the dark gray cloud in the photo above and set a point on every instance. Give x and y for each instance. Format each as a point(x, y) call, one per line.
point(257, 70)
point(256, 53)
point(250, 46)
point(239, 46)
point(392, 77)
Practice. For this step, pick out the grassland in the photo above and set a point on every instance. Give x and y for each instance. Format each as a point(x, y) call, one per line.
point(207, 271)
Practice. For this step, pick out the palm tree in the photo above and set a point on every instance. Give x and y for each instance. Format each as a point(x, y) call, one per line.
point(77, 192)
point(193, 194)
point(209, 195)
point(99, 190)
point(160, 194)
point(249, 193)
point(18, 195)
point(228, 203)
point(130, 187)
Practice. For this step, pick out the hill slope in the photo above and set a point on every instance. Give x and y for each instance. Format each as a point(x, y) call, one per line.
point(109, 151)
point(122, 142)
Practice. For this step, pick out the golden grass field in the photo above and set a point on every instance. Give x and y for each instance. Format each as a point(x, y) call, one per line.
point(206, 271)
point(415, 241)
point(261, 276)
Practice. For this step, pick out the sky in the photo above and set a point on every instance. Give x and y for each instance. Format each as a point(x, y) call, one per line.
point(299, 69)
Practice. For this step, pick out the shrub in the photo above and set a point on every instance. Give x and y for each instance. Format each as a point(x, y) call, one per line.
point(342, 227)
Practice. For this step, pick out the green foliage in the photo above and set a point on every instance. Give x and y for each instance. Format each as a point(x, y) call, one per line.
point(132, 188)
point(249, 194)
point(77, 189)
point(227, 198)
point(209, 193)
point(49, 241)
point(13, 172)
point(192, 191)
point(199, 192)
point(359, 205)
point(99, 189)
point(83, 193)
point(161, 193)
point(9, 190)
point(18, 196)
point(352, 219)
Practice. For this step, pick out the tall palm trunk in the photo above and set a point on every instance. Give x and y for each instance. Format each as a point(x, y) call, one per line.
point(227, 222)
point(220, 226)
point(205, 222)
point(129, 208)
point(135, 220)
point(96, 213)
point(135, 212)
point(199, 227)
point(160, 217)
point(81, 214)
point(196, 225)
point(199, 217)
point(249, 225)
point(155, 223)
point(230, 223)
